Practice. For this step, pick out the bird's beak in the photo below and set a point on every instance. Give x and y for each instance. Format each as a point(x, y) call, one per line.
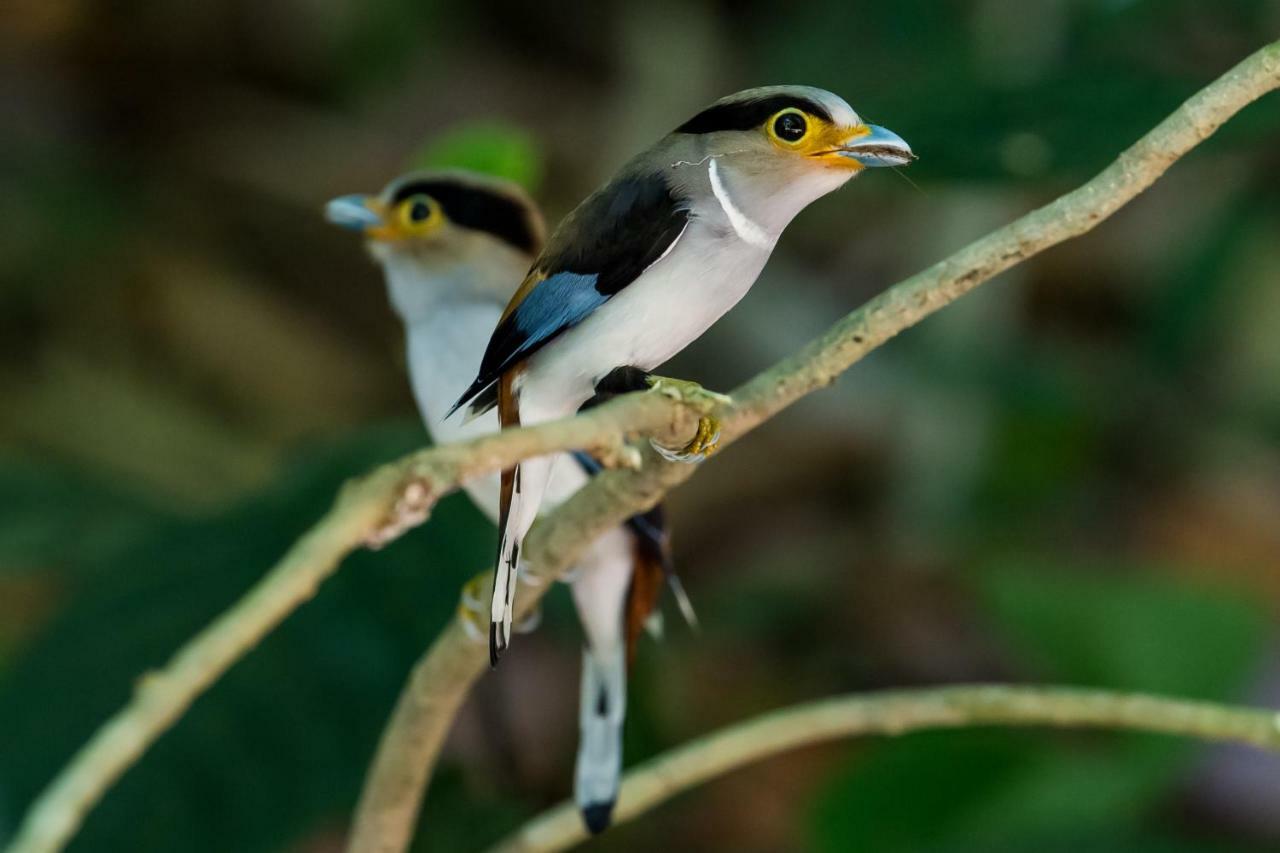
point(356, 212)
point(873, 145)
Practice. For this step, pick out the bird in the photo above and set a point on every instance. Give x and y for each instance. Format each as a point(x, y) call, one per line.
point(646, 264)
point(453, 245)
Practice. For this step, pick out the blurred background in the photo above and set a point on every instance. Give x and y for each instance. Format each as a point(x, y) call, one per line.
point(1073, 475)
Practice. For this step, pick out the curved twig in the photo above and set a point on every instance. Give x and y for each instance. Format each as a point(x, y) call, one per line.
point(369, 510)
point(895, 713)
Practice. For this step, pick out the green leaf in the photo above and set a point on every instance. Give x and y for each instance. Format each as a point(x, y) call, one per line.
point(495, 148)
point(1122, 630)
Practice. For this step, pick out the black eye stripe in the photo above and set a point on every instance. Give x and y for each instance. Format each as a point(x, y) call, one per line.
point(749, 114)
point(478, 209)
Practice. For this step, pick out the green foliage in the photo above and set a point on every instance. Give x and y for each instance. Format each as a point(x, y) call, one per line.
point(1015, 790)
point(43, 501)
point(383, 39)
point(494, 148)
point(1123, 630)
point(969, 84)
point(280, 744)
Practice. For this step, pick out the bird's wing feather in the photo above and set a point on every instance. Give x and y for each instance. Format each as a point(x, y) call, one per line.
point(603, 246)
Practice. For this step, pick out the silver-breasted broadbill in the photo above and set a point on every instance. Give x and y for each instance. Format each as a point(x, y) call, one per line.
point(648, 262)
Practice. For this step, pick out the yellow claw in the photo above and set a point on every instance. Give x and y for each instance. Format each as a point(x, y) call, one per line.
point(473, 610)
point(707, 438)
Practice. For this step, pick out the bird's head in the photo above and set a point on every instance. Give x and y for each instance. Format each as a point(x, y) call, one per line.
point(447, 229)
point(436, 216)
point(778, 148)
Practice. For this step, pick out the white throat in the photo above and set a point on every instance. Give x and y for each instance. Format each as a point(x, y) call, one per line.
point(747, 229)
point(418, 292)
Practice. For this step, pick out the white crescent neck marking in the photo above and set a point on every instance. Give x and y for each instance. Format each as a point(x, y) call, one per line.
point(746, 229)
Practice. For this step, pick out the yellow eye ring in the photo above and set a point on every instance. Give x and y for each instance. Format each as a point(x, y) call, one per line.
point(788, 127)
point(419, 213)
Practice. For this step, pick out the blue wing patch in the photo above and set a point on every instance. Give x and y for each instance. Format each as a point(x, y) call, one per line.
point(559, 302)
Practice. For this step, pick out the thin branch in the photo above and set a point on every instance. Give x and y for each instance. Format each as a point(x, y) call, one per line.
point(895, 713)
point(383, 504)
point(388, 809)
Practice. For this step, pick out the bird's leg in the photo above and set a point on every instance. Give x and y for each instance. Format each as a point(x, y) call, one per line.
point(624, 380)
point(473, 610)
point(620, 380)
point(707, 437)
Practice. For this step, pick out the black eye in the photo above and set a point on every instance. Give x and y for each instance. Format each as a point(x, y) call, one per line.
point(419, 210)
point(790, 127)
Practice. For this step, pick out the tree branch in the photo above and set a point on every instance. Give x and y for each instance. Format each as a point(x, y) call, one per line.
point(370, 510)
point(378, 507)
point(895, 713)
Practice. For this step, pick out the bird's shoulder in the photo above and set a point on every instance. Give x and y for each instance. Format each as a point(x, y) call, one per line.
point(618, 231)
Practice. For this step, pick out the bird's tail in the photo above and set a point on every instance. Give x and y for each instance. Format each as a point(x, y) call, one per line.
point(622, 576)
point(522, 489)
point(603, 708)
point(520, 496)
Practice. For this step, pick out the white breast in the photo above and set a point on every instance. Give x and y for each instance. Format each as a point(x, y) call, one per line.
point(668, 307)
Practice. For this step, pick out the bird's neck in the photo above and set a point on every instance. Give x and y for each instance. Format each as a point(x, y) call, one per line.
point(419, 294)
point(759, 209)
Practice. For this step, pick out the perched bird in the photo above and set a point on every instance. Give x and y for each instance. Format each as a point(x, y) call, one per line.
point(453, 247)
point(647, 263)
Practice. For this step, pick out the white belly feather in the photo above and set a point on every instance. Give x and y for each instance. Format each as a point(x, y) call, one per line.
point(668, 307)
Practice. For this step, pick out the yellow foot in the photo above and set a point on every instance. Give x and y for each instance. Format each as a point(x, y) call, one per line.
point(473, 607)
point(707, 438)
point(473, 610)
point(703, 444)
